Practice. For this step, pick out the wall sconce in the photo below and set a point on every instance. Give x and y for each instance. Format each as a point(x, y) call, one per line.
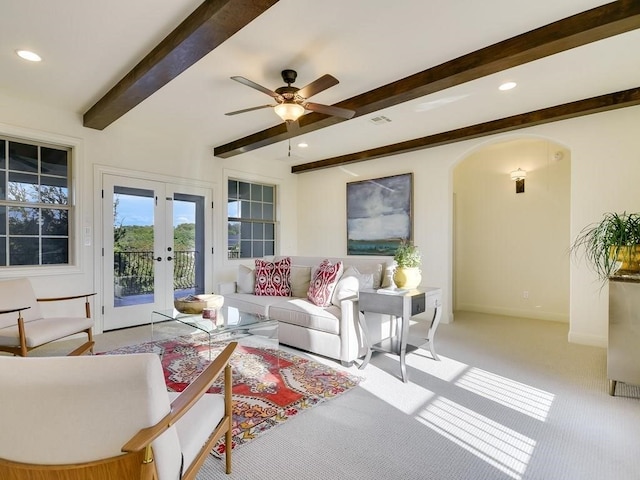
point(519, 176)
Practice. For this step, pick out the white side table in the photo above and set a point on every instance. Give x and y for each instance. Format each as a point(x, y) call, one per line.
point(401, 306)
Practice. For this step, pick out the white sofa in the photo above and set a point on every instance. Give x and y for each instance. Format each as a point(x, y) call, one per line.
point(332, 331)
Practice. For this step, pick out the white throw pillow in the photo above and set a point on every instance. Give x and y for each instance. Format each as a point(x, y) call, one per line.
point(370, 276)
point(300, 278)
point(246, 282)
point(352, 281)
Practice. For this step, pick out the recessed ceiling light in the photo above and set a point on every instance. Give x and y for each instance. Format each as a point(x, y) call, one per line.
point(303, 145)
point(507, 86)
point(28, 55)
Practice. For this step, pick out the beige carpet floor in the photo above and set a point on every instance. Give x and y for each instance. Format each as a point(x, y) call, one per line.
point(510, 399)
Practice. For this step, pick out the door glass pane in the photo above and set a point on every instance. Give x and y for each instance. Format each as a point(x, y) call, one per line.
point(188, 242)
point(133, 242)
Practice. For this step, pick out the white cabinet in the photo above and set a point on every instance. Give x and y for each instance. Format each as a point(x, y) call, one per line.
point(623, 352)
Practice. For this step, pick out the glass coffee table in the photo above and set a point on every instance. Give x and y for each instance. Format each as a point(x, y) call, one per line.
point(230, 324)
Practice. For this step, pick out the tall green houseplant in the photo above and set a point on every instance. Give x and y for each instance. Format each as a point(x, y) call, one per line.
point(612, 243)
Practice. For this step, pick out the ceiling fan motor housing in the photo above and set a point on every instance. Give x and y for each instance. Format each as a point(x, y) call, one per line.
point(289, 76)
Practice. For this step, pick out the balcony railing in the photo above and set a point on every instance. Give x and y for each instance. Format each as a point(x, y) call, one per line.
point(134, 271)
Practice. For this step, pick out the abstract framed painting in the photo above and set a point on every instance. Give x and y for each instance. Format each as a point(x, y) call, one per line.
point(379, 214)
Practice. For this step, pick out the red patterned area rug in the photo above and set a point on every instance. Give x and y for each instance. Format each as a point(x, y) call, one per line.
point(269, 386)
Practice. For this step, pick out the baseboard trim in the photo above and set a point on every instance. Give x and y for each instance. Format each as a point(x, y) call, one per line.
point(514, 312)
point(588, 339)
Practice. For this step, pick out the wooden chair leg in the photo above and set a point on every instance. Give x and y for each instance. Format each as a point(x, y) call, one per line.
point(23, 337)
point(228, 411)
point(90, 340)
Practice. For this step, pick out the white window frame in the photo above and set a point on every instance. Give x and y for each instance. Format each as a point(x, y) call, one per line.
point(75, 146)
point(249, 178)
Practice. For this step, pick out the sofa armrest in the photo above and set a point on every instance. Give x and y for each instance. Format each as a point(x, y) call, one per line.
point(227, 288)
point(349, 327)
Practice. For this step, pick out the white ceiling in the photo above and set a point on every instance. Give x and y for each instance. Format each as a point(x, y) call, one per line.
point(88, 45)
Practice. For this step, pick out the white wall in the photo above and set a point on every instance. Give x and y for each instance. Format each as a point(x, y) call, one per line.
point(124, 146)
point(507, 244)
point(605, 172)
point(604, 177)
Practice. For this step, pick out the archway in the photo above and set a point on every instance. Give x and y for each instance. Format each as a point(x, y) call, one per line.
point(510, 252)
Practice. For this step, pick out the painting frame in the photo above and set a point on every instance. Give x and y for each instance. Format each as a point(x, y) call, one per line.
point(379, 214)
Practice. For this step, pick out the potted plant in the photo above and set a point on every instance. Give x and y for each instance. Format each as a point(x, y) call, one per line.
point(611, 245)
point(408, 260)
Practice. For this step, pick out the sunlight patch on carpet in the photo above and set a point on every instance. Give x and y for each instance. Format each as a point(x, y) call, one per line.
point(496, 444)
point(518, 396)
point(270, 386)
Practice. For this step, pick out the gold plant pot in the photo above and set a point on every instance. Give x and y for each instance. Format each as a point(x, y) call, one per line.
point(407, 277)
point(628, 256)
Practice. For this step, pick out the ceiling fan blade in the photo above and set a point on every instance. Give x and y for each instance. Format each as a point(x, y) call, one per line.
point(248, 109)
point(318, 86)
point(260, 88)
point(330, 110)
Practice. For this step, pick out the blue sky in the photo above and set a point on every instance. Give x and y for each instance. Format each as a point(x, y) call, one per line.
point(133, 210)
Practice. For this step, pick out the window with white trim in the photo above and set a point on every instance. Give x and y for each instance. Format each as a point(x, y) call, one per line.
point(251, 219)
point(35, 188)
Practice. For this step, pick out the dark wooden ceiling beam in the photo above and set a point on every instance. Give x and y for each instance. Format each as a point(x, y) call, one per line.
point(580, 29)
point(603, 103)
point(206, 28)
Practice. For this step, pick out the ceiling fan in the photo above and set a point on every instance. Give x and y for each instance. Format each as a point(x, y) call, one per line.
point(292, 101)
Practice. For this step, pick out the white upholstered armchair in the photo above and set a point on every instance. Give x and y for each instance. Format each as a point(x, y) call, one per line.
point(23, 326)
point(71, 418)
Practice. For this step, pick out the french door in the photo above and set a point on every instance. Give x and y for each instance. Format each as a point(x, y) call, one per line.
point(156, 247)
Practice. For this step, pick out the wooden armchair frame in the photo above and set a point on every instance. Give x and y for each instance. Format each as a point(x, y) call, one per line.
point(138, 461)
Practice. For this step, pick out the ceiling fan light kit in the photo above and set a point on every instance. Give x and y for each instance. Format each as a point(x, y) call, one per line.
point(292, 101)
point(289, 112)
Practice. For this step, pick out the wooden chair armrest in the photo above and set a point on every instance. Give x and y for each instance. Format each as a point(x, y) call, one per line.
point(187, 398)
point(73, 297)
point(11, 310)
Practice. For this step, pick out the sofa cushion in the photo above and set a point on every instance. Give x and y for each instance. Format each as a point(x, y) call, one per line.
point(250, 303)
point(273, 278)
point(301, 312)
point(324, 282)
point(300, 279)
point(246, 282)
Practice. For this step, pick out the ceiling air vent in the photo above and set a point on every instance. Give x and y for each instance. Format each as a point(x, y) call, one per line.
point(379, 120)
